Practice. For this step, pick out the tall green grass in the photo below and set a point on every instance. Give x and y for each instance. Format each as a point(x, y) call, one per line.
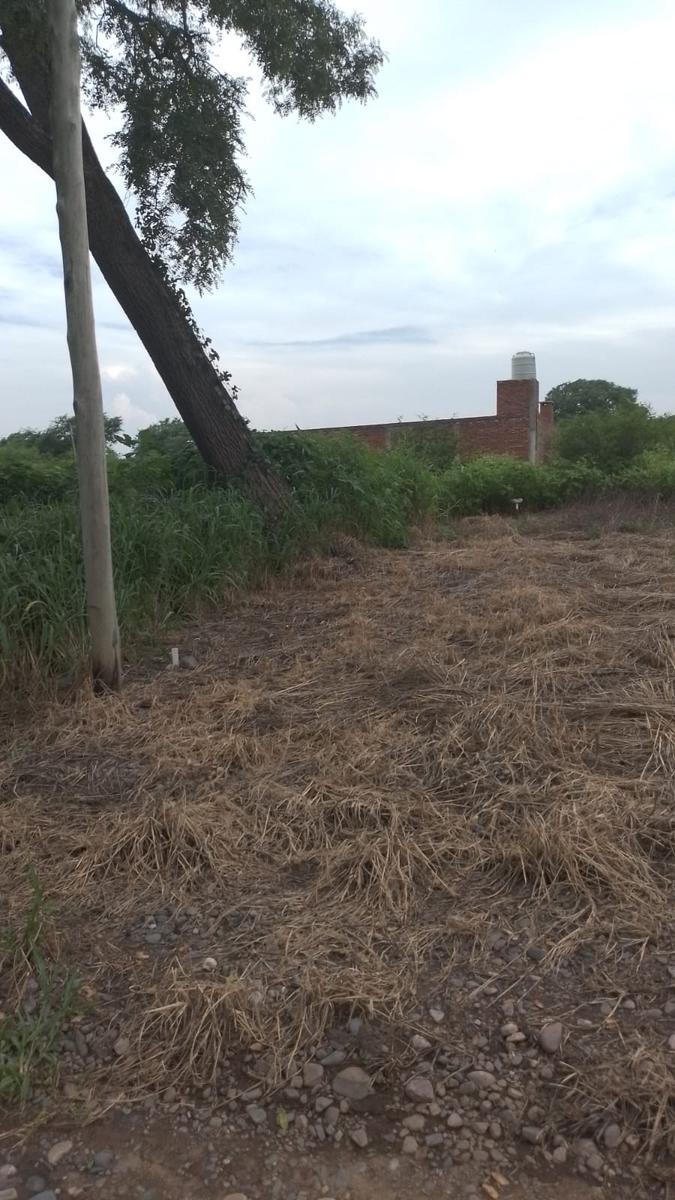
point(178, 544)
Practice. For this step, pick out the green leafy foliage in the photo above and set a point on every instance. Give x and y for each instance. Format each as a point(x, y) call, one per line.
point(589, 395)
point(434, 444)
point(181, 539)
point(180, 136)
point(31, 1029)
point(609, 439)
point(59, 436)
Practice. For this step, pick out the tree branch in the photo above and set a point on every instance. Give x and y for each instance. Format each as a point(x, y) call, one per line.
point(23, 130)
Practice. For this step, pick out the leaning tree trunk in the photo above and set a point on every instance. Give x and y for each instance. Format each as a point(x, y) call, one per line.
point(71, 206)
point(209, 412)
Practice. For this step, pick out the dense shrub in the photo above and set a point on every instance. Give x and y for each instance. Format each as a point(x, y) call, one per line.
point(25, 472)
point(180, 539)
point(609, 440)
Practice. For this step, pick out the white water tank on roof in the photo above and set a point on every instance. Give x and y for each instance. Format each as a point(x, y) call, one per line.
point(524, 365)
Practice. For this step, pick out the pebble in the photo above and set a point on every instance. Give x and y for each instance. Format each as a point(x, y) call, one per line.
point(103, 1159)
point(414, 1123)
point(420, 1044)
point(35, 1183)
point(48, 1195)
point(481, 1079)
point(437, 1015)
point(532, 1134)
point(331, 1116)
point(536, 953)
point(455, 1121)
point(57, 1152)
point(122, 1046)
point(312, 1074)
point(434, 1139)
point(353, 1083)
point(671, 1042)
point(359, 1137)
point(334, 1059)
point(8, 1171)
point(613, 1136)
point(419, 1089)
point(559, 1155)
point(550, 1037)
point(9, 1193)
point(409, 1145)
point(257, 1114)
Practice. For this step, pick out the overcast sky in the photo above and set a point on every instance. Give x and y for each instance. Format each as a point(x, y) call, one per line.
point(511, 188)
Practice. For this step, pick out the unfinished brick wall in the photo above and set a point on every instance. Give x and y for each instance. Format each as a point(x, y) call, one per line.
point(521, 427)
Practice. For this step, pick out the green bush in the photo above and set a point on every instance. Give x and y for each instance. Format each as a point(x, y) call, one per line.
point(25, 472)
point(176, 545)
point(608, 440)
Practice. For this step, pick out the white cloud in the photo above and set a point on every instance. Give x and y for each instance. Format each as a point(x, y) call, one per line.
point(512, 187)
point(117, 371)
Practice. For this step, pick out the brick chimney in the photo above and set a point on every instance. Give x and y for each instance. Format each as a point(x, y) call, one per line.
point(518, 402)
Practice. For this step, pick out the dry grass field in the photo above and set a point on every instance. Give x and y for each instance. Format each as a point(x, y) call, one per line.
point(439, 778)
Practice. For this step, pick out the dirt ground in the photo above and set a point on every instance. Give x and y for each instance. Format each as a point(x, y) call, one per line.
point(375, 894)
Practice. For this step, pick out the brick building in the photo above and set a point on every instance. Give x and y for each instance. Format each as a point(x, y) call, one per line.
point(521, 426)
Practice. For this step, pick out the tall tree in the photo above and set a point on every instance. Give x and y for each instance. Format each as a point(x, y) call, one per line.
point(71, 207)
point(179, 140)
point(589, 395)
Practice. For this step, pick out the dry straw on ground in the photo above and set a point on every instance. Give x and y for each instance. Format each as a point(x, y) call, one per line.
point(372, 768)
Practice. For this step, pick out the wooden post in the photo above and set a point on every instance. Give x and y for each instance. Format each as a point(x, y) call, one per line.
point(66, 123)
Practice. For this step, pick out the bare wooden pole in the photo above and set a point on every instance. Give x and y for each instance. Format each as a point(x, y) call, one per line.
point(71, 207)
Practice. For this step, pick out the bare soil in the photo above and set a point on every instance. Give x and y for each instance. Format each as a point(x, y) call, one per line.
point(407, 812)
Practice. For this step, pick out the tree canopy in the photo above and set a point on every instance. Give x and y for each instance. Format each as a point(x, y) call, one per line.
point(589, 395)
point(59, 436)
point(155, 63)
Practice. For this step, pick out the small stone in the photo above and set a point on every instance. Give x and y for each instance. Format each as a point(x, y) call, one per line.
point(210, 964)
point(103, 1159)
point(334, 1059)
point(434, 1139)
point(322, 1103)
point(419, 1089)
point(48, 1195)
point(354, 1026)
point(612, 1136)
point(550, 1037)
point(409, 1145)
point(169, 1095)
point(312, 1074)
point(481, 1079)
point(257, 1114)
point(353, 1083)
point(532, 1134)
point(122, 1046)
point(8, 1171)
point(58, 1151)
point(359, 1137)
point(331, 1117)
point(508, 1029)
point(536, 953)
point(437, 1015)
point(455, 1121)
point(35, 1183)
point(9, 1193)
point(414, 1123)
point(671, 1042)
point(559, 1155)
point(420, 1044)
point(594, 1162)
